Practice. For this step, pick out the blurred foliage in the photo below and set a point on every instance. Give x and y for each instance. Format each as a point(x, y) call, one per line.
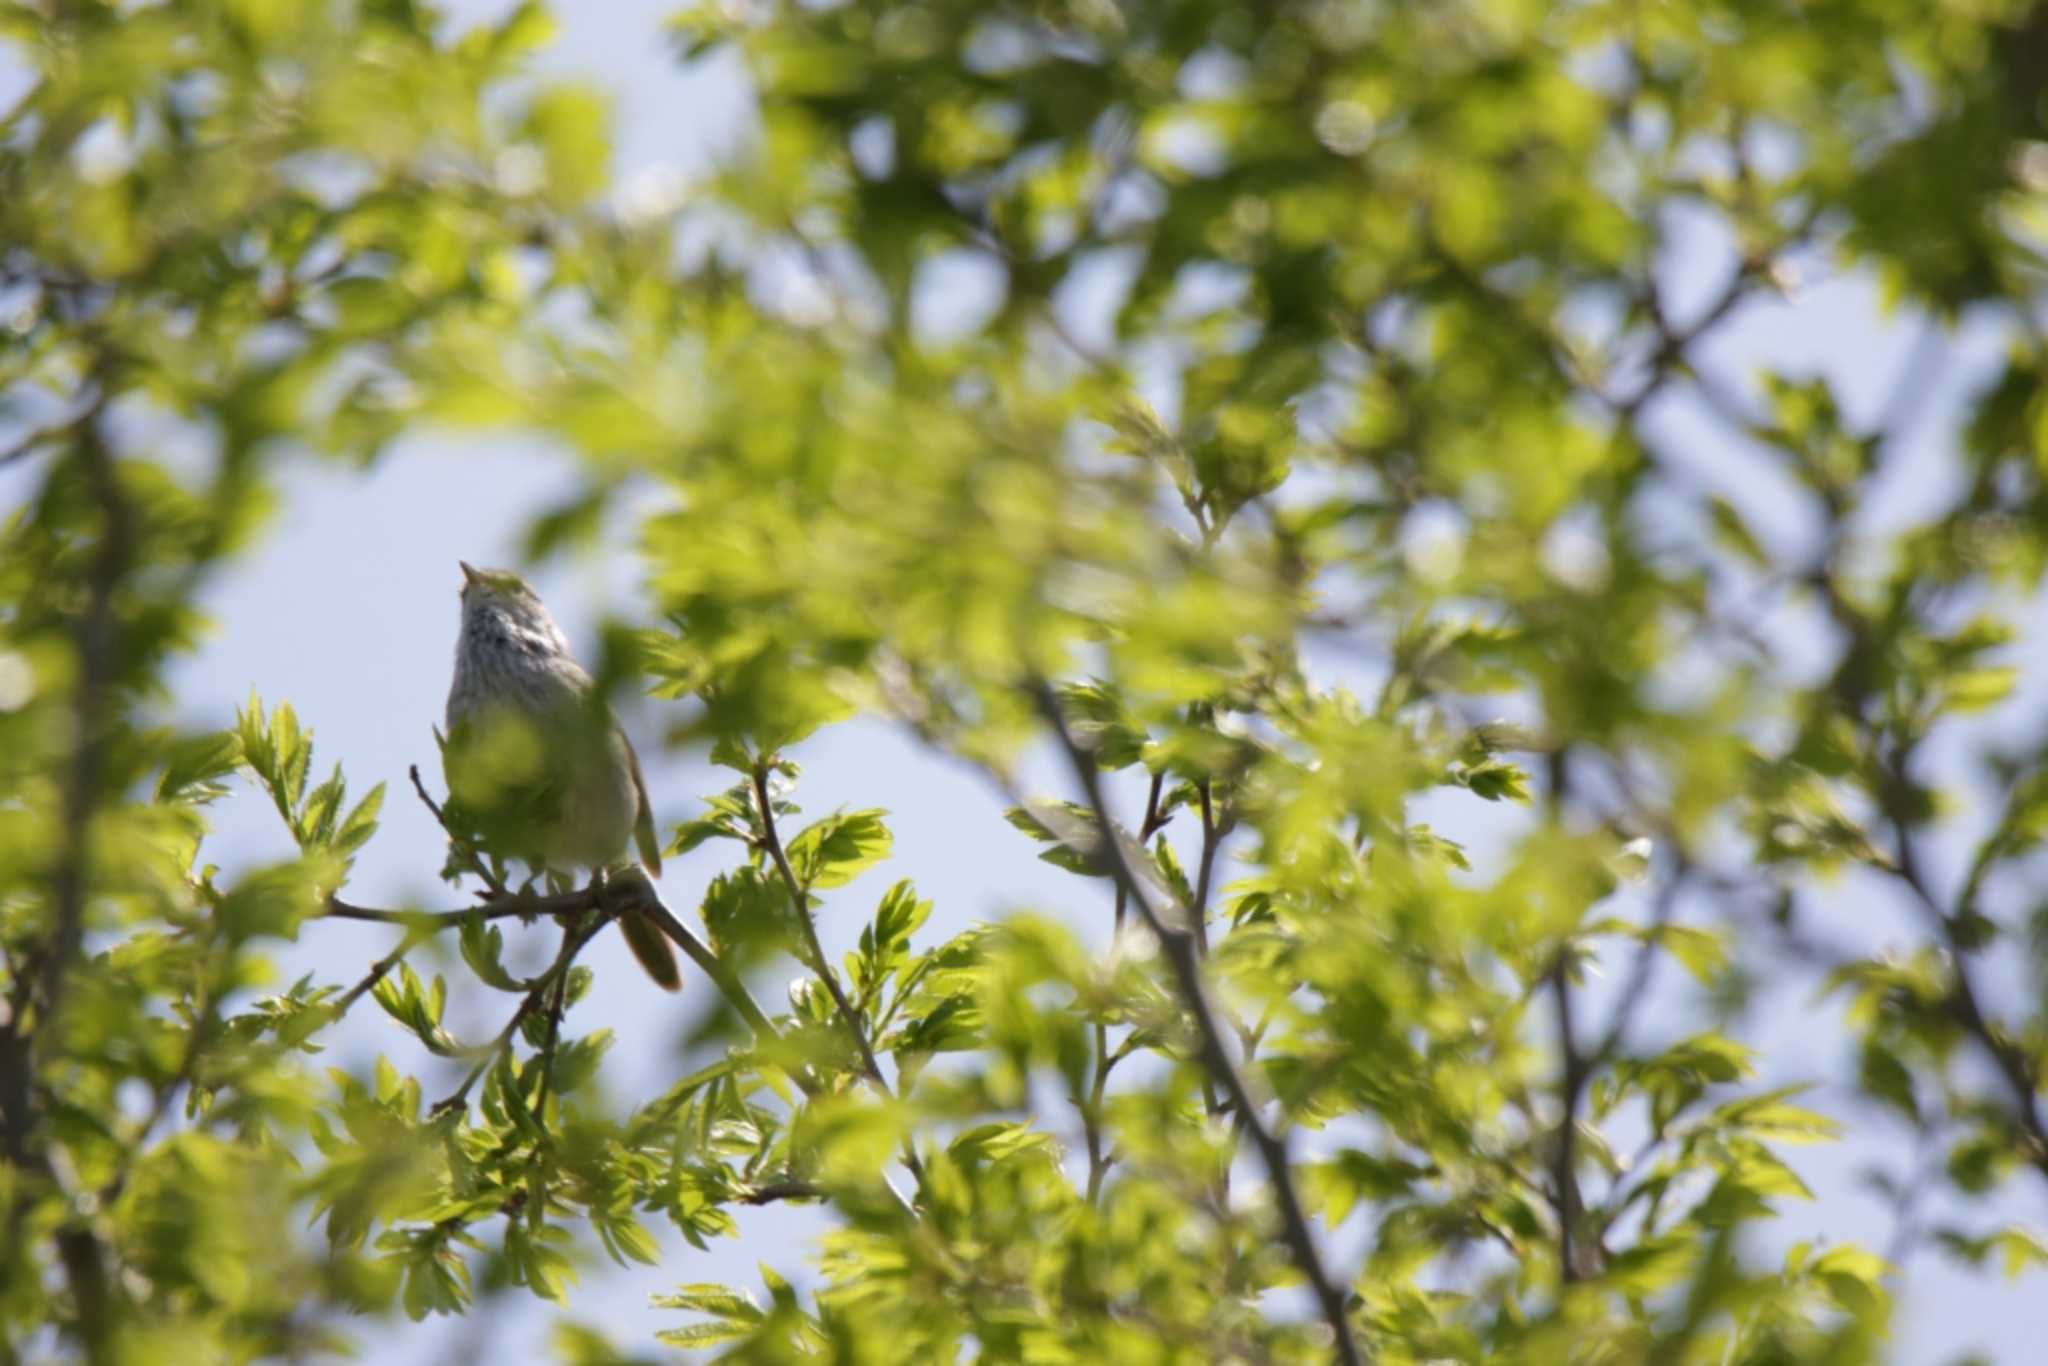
point(1104, 380)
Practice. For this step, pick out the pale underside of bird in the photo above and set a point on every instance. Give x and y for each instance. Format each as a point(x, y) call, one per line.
point(537, 769)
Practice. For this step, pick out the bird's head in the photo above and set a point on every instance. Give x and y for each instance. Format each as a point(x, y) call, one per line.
point(500, 596)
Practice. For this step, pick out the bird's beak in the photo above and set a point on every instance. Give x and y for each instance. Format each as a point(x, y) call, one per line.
point(469, 574)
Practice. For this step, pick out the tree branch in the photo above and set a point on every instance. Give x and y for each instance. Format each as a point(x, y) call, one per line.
point(799, 898)
point(1198, 914)
point(524, 905)
point(2013, 1065)
point(574, 937)
point(96, 638)
point(1564, 1159)
point(1180, 949)
point(769, 1192)
point(411, 940)
point(476, 863)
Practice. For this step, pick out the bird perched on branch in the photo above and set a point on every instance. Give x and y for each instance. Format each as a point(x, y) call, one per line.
point(537, 769)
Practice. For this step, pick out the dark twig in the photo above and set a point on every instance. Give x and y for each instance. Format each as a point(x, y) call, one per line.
point(455, 838)
point(769, 1192)
point(547, 1051)
point(29, 442)
point(411, 940)
point(1198, 914)
point(1177, 941)
point(524, 905)
point(440, 818)
point(1564, 1172)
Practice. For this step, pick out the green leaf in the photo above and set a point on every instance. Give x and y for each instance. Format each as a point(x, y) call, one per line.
point(483, 947)
point(1098, 719)
point(360, 823)
point(1075, 841)
point(1703, 952)
point(708, 1298)
point(839, 848)
point(194, 765)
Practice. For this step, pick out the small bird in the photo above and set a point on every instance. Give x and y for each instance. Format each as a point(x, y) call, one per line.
point(537, 768)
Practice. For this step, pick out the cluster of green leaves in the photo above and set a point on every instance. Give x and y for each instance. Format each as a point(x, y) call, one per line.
point(1313, 421)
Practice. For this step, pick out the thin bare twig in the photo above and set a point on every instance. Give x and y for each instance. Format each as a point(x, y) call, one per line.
point(455, 838)
point(411, 940)
point(1179, 946)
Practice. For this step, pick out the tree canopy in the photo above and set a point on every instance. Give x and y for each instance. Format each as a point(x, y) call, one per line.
point(1274, 418)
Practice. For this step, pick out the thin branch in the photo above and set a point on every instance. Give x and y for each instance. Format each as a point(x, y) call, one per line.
point(769, 1192)
point(29, 442)
point(573, 940)
point(97, 642)
point(1564, 1173)
point(1179, 947)
point(1198, 914)
point(2011, 1061)
point(440, 817)
point(1637, 988)
point(412, 939)
point(1091, 1115)
point(524, 905)
point(799, 898)
point(455, 838)
point(547, 1051)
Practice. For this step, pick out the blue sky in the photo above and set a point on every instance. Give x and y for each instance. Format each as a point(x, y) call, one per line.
point(348, 610)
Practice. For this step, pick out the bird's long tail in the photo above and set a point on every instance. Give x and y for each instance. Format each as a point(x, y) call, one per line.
point(638, 921)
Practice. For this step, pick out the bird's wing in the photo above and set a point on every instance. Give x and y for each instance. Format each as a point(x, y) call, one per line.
point(644, 838)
